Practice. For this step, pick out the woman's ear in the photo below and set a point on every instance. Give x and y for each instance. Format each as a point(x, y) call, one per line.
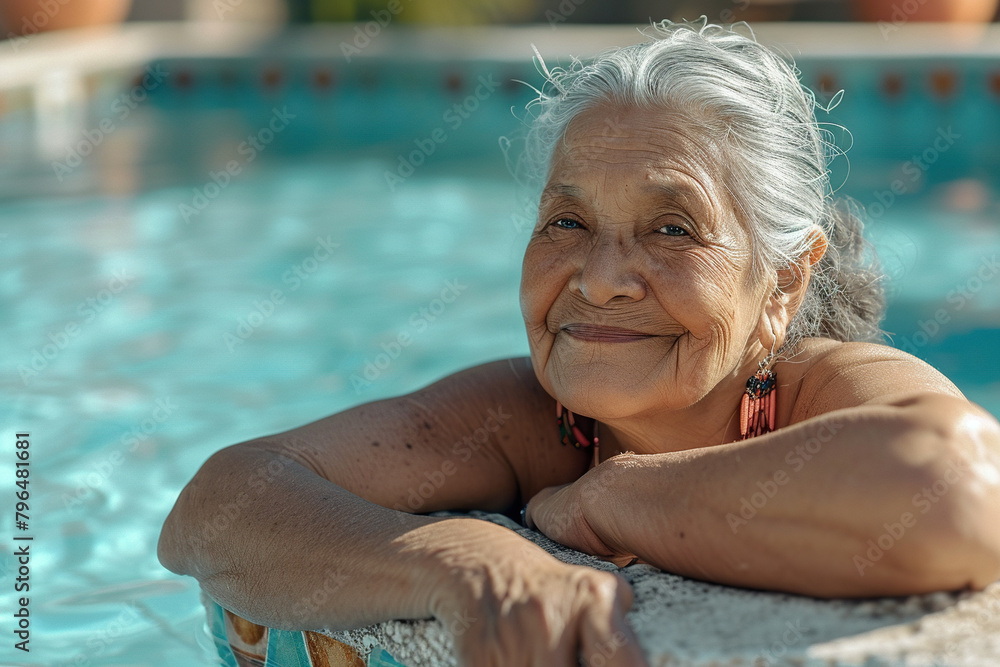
point(817, 245)
point(789, 291)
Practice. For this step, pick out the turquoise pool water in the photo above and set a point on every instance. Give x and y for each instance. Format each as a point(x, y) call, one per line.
point(145, 330)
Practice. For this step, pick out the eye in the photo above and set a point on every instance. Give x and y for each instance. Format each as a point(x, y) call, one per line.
point(569, 221)
point(673, 230)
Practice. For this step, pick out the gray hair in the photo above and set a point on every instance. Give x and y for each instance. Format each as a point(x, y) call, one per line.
point(752, 101)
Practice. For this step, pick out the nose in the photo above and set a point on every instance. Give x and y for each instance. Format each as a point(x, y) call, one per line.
point(607, 273)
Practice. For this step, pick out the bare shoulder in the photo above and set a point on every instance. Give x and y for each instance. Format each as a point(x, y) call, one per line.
point(837, 375)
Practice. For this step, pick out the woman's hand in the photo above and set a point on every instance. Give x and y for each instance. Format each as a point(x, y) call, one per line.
point(559, 513)
point(528, 609)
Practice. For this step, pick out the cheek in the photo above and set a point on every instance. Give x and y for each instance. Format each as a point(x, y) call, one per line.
point(542, 278)
point(703, 292)
point(729, 300)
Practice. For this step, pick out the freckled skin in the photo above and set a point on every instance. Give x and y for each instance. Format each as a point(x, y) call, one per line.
point(611, 247)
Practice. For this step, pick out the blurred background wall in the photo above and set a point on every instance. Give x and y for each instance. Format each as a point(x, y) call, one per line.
point(457, 12)
point(464, 12)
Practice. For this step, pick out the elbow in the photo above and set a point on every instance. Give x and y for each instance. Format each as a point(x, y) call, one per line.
point(186, 544)
point(957, 533)
point(180, 547)
point(166, 547)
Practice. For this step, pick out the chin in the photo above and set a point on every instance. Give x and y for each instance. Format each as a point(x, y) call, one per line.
point(602, 391)
point(606, 391)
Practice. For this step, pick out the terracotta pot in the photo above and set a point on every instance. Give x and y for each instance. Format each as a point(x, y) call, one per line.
point(27, 17)
point(900, 11)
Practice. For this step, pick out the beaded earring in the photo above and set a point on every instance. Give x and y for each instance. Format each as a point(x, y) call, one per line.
point(757, 404)
point(569, 432)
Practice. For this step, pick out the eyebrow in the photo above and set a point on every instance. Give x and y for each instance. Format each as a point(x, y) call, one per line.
point(680, 191)
point(564, 191)
point(672, 190)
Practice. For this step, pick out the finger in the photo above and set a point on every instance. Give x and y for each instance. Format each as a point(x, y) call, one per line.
point(607, 638)
point(625, 595)
point(559, 640)
point(538, 501)
point(611, 643)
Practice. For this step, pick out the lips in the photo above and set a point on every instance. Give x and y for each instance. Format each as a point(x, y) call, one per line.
point(605, 334)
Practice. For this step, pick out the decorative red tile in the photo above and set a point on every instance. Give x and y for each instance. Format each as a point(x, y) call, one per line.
point(272, 77)
point(892, 84)
point(994, 82)
point(322, 79)
point(183, 79)
point(943, 83)
point(827, 83)
point(453, 82)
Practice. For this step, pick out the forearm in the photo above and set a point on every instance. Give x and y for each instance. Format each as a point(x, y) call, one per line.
point(283, 547)
point(796, 510)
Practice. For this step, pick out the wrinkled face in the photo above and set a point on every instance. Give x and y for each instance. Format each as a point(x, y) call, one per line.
point(636, 230)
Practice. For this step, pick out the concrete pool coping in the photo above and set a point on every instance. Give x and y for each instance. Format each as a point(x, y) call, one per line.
point(23, 60)
point(681, 622)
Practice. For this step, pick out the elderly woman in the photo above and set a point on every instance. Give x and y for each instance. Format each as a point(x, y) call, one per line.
point(702, 395)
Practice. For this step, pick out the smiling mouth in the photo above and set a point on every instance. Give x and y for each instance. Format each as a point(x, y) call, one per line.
point(603, 334)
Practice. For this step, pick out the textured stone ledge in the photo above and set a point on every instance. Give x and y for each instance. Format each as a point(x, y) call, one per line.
point(685, 623)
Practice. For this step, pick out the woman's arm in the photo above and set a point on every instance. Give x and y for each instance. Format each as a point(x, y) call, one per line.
point(327, 512)
point(860, 502)
point(896, 494)
point(285, 548)
point(314, 528)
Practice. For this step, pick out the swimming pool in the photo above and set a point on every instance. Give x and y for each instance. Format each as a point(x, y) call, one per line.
point(251, 243)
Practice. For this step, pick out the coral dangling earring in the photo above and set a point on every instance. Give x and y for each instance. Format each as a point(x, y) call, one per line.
point(569, 430)
point(757, 405)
